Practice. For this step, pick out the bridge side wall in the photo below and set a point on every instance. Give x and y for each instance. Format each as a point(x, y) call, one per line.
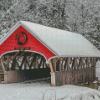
point(72, 71)
point(75, 77)
point(14, 76)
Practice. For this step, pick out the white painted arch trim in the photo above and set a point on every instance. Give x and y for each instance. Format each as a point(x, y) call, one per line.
point(47, 61)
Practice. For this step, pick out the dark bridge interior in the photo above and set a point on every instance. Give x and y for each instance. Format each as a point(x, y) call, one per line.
point(25, 66)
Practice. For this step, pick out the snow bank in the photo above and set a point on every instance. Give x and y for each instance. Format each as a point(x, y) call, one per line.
point(43, 91)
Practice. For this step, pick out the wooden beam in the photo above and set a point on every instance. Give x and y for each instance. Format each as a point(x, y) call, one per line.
point(13, 64)
point(65, 65)
point(32, 61)
point(43, 63)
point(36, 64)
point(14, 56)
point(84, 62)
point(22, 48)
point(68, 63)
point(87, 62)
point(91, 60)
point(73, 64)
point(17, 64)
point(20, 67)
point(58, 67)
point(29, 65)
point(54, 64)
point(81, 63)
point(31, 55)
point(94, 62)
point(71, 60)
point(40, 62)
point(62, 63)
point(51, 67)
point(60, 60)
point(7, 62)
point(76, 63)
point(27, 62)
point(2, 64)
point(20, 55)
point(35, 61)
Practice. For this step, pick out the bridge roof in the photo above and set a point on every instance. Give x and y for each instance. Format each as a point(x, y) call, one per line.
point(60, 42)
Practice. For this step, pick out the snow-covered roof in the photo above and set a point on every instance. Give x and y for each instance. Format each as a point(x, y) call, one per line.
point(62, 43)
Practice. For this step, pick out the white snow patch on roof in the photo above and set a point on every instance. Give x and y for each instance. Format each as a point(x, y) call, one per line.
point(63, 43)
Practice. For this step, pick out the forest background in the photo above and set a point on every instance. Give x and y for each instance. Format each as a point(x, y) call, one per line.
point(79, 16)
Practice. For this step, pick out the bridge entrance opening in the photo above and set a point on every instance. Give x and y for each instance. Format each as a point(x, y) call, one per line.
point(23, 65)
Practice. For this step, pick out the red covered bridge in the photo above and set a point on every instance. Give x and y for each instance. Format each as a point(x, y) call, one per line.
point(31, 51)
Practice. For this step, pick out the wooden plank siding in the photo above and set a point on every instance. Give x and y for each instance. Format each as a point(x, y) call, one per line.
point(73, 70)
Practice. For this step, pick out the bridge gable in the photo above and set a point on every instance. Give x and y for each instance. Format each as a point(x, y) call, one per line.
point(21, 38)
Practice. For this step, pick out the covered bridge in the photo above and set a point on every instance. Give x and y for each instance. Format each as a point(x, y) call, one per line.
point(31, 51)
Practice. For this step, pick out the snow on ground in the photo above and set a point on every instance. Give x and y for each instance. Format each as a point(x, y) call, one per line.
point(43, 91)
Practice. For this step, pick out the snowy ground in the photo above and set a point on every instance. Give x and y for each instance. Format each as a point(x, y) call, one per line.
point(43, 91)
